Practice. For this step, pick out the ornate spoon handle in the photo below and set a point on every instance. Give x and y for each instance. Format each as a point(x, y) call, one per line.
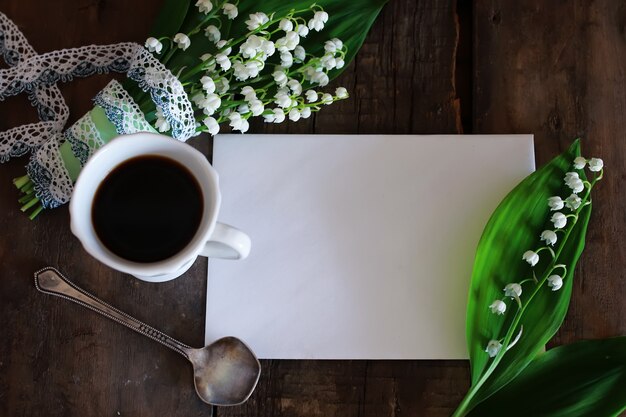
point(50, 281)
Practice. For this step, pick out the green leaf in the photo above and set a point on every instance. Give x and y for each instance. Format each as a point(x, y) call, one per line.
point(170, 18)
point(580, 380)
point(514, 228)
point(349, 20)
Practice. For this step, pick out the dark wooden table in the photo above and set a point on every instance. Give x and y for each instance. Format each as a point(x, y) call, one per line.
point(555, 69)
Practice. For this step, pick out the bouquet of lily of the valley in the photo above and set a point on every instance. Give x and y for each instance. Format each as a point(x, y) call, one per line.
point(207, 65)
point(521, 287)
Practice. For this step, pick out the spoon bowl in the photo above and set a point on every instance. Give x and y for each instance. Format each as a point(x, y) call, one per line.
point(225, 372)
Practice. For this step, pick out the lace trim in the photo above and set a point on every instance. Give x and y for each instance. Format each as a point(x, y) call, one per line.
point(84, 138)
point(164, 88)
point(121, 110)
point(50, 105)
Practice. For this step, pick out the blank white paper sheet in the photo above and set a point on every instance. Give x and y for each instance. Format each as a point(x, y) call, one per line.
point(362, 246)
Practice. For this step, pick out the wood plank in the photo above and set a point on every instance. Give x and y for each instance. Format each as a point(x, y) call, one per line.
point(556, 69)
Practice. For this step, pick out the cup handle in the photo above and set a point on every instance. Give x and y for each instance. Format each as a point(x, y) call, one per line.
point(227, 242)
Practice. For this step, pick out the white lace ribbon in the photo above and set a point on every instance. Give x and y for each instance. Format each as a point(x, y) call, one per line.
point(50, 105)
point(37, 75)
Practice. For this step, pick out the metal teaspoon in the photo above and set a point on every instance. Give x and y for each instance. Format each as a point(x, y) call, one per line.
point(225, 372)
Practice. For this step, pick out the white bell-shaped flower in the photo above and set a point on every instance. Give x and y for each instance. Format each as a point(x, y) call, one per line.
point(341, 93)
point(549, 237)
point(579, 162)
point(207, 84)
point(573, 202)
point(327, 99)
point(205, 6)
point(282, 100)
point(213, 33)
point(230, 10)
point(294, 115)
point(555, 203)
point(531, 257)
point(285, 25)
point(256, 107)
point(154, 45)
point(302, 30)
point(256, 20)
point(182, 41)
point(555, 282)
point(295, 86)
point(305, 113)
point(596, 164)
point(223, 61)
point(248, 92)
point(513, 290)
point(286, 59)
point(311, 96)
point(498, 307)
point(559, 220)
point(212, 125)
point(280, 78)
point(493, 348)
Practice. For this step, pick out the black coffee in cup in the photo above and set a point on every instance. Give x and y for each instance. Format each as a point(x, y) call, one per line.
point(147, 209)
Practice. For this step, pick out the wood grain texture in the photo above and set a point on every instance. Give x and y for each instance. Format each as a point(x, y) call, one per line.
point(557, 69)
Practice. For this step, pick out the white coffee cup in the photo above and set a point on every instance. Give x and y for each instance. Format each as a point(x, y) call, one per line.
point(212, 239)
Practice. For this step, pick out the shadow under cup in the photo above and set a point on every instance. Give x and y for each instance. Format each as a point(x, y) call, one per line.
point(114, 156)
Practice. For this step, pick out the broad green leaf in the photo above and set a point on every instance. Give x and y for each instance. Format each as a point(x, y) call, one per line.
point(170, 18)
point(349, 21)
point(514, 228)
point(579, 380)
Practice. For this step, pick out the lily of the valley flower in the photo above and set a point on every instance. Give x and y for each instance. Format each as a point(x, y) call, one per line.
point(341, 93)
point(154, 45)
point(285, 25)
point(573, 181)
point(212, 125)
point(513, 290)
point(286, 59)
point(294, 115)
point(238, 123)
point(231, 11)
point(283, 100)
point(555, 203)
point(549, 237)
point(305, 113)
point(221, 44)
point(327, 99)
point(318, 21)
point(531, 257)
point(256, 107)
point(213, 33)
point(299, 54)
point(280, 78)
point(288, 42)
point(223, 61)
point(207, 84)
point(256, 20)
point(498, 307)
point(596, 164)
point(311, 96)
point(182, 41)
point(559, 220)
point(493, 348)
point(210, 104)
point(302, 30)
point(573, 202)
point(579, 162)
point(555, 282)
point(278, 116)
point(295, 86)
point(205, 6)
